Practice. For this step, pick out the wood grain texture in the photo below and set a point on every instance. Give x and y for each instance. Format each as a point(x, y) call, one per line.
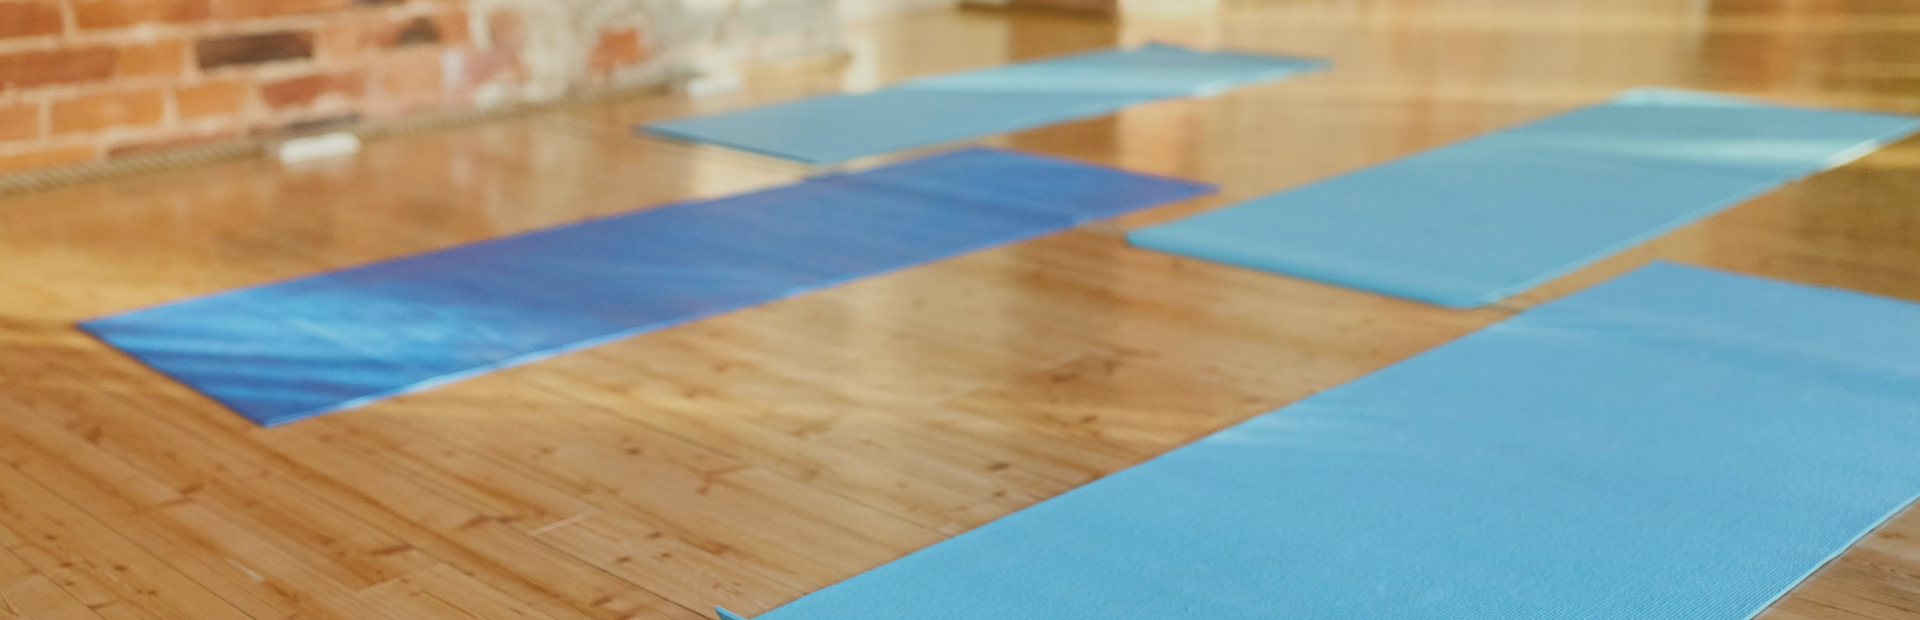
point(753, 457)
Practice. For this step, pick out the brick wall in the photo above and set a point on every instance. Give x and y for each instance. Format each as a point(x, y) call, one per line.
point(82, 80)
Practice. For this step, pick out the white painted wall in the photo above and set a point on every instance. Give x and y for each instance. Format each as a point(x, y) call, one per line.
point(560, 36)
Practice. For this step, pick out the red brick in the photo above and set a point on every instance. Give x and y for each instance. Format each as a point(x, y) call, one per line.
point(20, 122)
point(47, 158)
point(348, 35)
point(98, 112)
point(212, 99)
point(157, 58)
point(99, 14)
point(29, 18)
point(39, 68)
point(250, 49)
point(453, 27)
point(410, 75)
point(416, 31)
point(305, 90)
point(245, 9)
point(617, 48)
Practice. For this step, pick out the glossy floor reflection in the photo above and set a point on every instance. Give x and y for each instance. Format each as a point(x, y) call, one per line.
point(748, 458)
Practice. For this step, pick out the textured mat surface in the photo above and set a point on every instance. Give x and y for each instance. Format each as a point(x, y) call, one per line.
point(927, 111)
point(1676, 443)
point(1472, 223)
point(283, 351)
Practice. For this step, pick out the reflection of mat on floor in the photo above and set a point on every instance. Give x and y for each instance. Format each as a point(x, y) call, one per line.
point(1474, 222)
point(958, 106)
point(1676, 443)
point(284, 351)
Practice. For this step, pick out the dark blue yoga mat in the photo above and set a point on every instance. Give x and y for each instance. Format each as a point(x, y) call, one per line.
point(1677, 443)
point(926, 111)
point(1474, 222)
point(288, 350)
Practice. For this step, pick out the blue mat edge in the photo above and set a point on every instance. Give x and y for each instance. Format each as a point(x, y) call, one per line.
point(1142, 237)
point(1307, 65)
point(1657, 263)
point(1200, 188)
point(1830, 559)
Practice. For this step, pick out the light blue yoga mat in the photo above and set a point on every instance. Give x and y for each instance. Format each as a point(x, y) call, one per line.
point(927, 111)
point(284, 351)
point(1677, 443)
point(1472, 223)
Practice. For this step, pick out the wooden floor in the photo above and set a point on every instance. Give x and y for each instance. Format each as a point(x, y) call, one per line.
point(749, 458)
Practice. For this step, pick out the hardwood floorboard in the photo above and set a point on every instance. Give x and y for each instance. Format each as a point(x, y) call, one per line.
point(749, 458)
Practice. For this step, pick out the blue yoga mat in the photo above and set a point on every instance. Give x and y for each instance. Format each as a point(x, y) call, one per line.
point(836, 128)
point(1472, 223)
point(284, 351)
point(1676, 444)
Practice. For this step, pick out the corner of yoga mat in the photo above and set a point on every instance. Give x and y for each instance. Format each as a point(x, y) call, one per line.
point(671, 129)
point(1673, 96)
point(1200, 243)
point(99, 329)
point(727, 615)
point(1899, 125)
